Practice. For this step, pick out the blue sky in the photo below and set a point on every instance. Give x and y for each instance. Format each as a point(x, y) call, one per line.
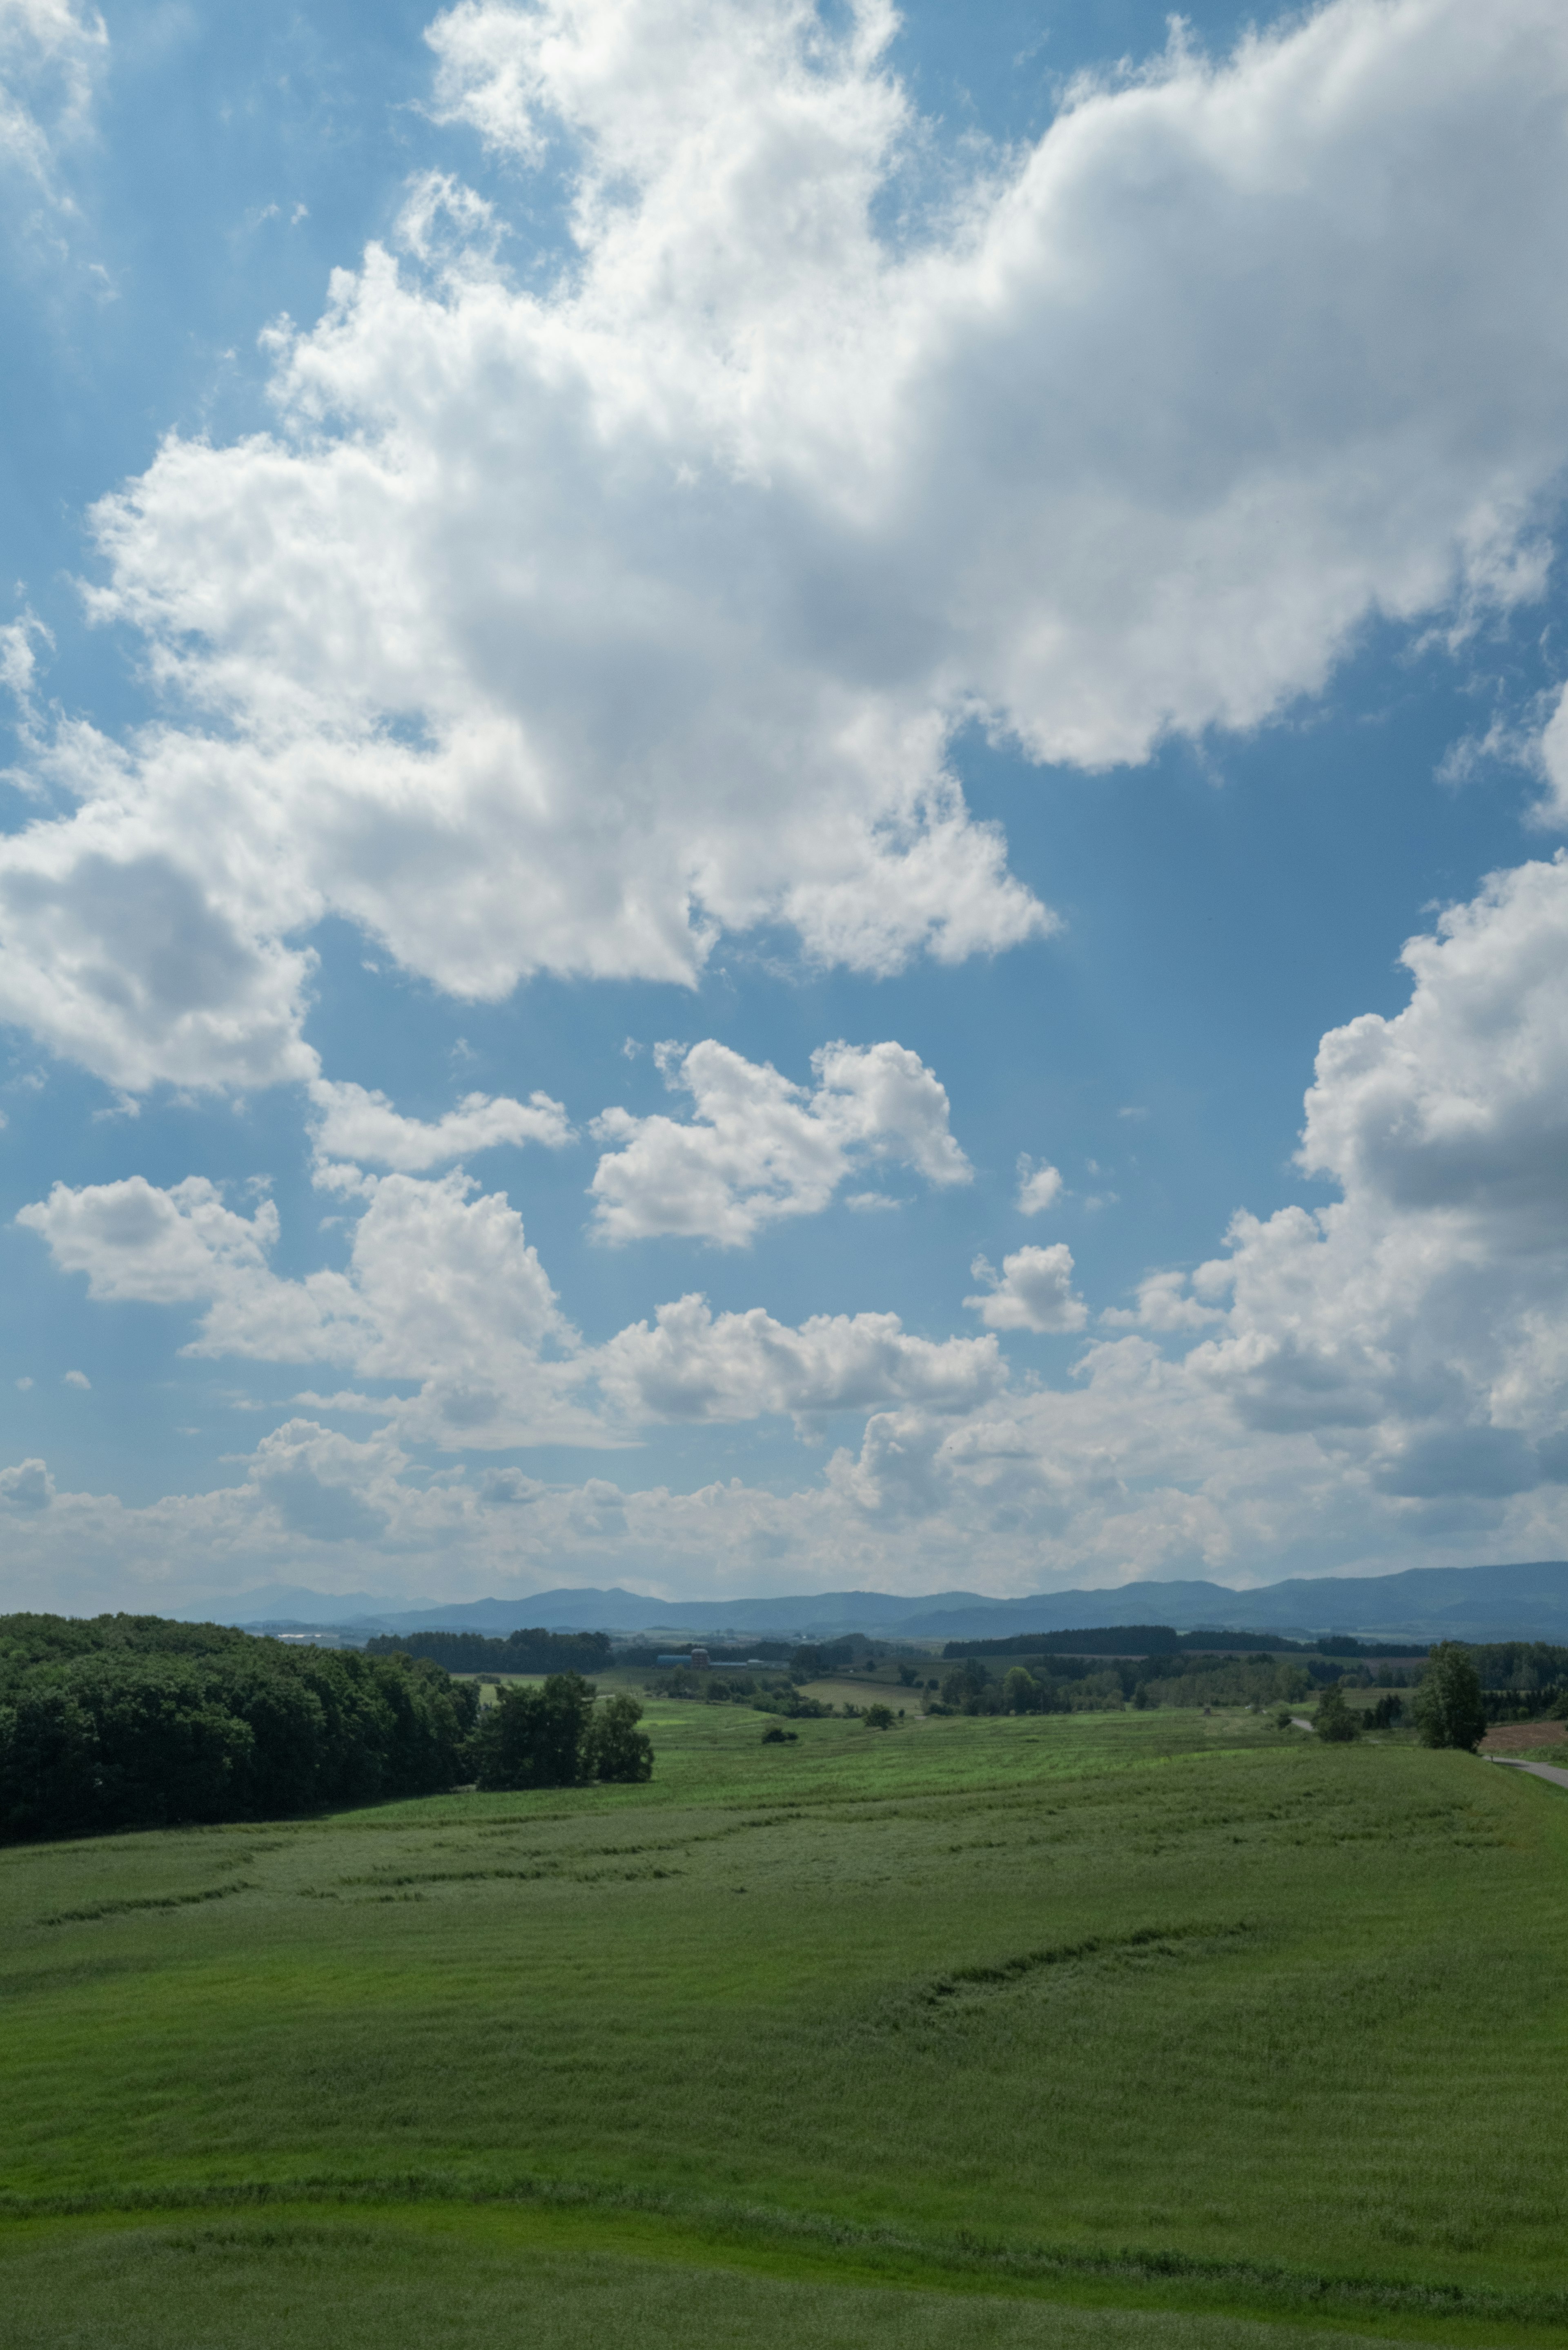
point(675, 854)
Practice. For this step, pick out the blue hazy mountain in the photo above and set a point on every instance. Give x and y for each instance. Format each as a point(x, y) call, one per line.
point(1514, 1601)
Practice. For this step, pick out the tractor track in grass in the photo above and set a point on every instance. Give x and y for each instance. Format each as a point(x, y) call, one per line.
point(965, 2256)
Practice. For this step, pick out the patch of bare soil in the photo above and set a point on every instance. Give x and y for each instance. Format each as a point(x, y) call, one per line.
point(1515, 1737)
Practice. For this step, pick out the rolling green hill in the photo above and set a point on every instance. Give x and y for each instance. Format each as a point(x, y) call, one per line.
point(1087, 2030)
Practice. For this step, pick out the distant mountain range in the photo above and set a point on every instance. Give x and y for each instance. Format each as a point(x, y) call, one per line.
point(1472, 1603)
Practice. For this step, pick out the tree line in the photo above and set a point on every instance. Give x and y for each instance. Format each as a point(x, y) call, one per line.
point(1164, 1641)
point(1058, 1683)
point(134, 1721)
point(534, 1651)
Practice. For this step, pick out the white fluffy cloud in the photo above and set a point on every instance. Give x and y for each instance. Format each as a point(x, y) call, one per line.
point(1039, 1186)
point(444, 1292)
point(1416, 1324)
point(355, 1124)
point(1166, 1302)
point(650, 601)
point(1033, 1291)
point(759, 1147)
point(159, 1247)
point(690, 1366)
point(1384, 1376)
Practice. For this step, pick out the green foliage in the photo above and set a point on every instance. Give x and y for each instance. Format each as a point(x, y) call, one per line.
point(814, 1658)
point(879, 1717)
point(775, 1734)
point(1099, 1640)
point(1528, 1667)
point(1387, 1710)
point(136, 1727)
point(789, 1701)
point(1335, 1723)
point(534, 1651)
point(969, 1689)
point(536, 1737)
point(1206, 1681)
point(551, 1737)
point(616, 1749)
point(1019, 1691)
point(1449, 1708)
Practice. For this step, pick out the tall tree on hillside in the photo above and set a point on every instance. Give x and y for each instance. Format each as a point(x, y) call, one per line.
point(617, 1749)
point(1335, 1722)
point(535, 1737)
point(1450, 1710)
point(1021, 1692)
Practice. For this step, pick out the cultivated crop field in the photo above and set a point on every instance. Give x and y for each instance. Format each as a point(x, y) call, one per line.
point(1086, 2029)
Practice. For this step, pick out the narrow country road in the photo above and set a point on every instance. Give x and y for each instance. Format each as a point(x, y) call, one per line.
point(1536, 1770)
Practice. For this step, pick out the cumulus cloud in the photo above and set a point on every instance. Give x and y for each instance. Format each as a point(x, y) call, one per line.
point(323, 1486)
point(689, 1365)
point(1033, 1291)
point(650, 600)
point(759, 1147)
point(1039, 1186)
point(28, 1486)
point(159, 1247)
point(1388, 1368)
point(136, 963)
point(1416, 1323)
point(444, 1292)
point(1165, 1303)
point(355, 1124)
point(441, 1290)
point(1383, 1375)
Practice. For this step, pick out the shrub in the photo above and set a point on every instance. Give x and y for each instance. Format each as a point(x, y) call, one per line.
point(775, 1734)
point(879, 1717)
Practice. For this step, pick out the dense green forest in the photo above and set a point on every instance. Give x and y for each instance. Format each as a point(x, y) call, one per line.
point(535, 1651)
point(133, 1721)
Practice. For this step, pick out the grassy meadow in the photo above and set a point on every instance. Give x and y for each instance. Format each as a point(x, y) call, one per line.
point(1090, 2030)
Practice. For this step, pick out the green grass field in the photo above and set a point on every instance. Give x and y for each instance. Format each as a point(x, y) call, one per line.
point(1088, 2030)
